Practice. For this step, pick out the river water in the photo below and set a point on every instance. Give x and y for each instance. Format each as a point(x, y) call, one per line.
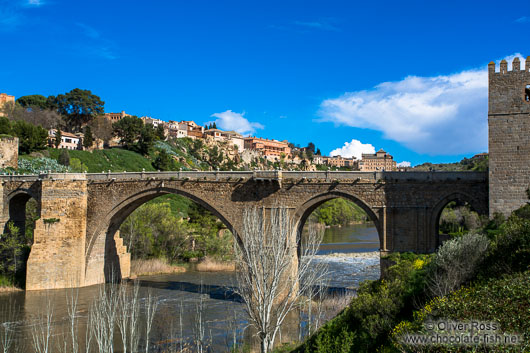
point(351, 253)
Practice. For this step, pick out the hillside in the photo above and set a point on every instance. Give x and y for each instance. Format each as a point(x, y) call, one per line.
point(477, 163)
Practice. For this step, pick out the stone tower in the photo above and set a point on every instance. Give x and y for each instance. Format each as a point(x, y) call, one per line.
point(509, 136)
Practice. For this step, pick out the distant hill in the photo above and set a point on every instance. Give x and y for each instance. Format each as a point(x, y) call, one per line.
point(477, 163)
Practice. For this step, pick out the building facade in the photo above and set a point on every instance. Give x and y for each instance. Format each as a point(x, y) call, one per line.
point(193, 130)
point(269, 148)
point(115, 117)
point(152, 121)
point(231, 137)
point(68, 141)
point(5, 99)
point(377, 162)
point(339, 161)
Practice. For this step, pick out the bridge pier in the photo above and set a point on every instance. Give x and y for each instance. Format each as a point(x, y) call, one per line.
point(57, 257)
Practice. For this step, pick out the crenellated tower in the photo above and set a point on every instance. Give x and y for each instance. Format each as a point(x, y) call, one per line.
point(509, 136)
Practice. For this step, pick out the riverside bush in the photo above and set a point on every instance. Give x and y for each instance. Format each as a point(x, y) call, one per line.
point(364, 325)
point(503, 300)
point(456, 262)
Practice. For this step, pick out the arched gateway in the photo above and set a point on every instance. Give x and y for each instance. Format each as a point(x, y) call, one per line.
point(76, 242)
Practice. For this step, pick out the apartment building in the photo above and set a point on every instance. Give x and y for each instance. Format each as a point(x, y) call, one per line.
point(339, 161)
point(379, 161)
point(269, 148)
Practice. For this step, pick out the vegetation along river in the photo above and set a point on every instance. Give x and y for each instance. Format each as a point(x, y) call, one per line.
point(199, 304)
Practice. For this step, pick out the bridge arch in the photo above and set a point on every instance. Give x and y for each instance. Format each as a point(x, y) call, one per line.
point(102, 239)
point(460, 197)
point(303, 212)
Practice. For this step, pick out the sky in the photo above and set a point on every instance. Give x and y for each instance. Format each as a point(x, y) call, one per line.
point(350, 76)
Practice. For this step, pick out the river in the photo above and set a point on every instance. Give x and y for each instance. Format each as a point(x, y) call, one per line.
point(351, 253)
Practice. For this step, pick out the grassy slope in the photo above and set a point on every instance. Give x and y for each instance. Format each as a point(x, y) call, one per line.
point(115, 160)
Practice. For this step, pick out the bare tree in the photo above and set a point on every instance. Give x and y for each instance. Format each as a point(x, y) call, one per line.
point(48, 119)
point(150, 307)
point(7, 329)
point(103, 317)
point(102, 129)
point(128, 315)
point(71, 301)
point(267, 281)
point(42, 329)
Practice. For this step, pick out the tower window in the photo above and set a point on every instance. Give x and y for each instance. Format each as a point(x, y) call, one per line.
point(527, 93)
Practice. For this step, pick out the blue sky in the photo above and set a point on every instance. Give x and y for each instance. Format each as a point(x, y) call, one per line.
point(406, 76)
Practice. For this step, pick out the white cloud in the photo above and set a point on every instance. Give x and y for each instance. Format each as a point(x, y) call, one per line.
point(403, 164)
point(355, 148)
point(523, 19)
point(35, 2)
point(441, 115)
point(230, 120)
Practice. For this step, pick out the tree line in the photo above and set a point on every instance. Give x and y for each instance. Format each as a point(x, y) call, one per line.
point(30, 118)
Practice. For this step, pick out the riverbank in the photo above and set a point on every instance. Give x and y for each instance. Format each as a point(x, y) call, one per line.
point(211, 265)
point(10, 289)
point(153, 267)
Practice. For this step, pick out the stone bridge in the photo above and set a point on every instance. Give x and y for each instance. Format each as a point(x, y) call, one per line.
point(77, 243)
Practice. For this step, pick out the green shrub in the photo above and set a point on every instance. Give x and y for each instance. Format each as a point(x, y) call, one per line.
point(456, 262)
point(364, 325)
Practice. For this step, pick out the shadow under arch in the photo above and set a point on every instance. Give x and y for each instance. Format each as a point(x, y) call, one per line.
point(113, 220)
point(17, 214)
point(459, 197)
point(303, 212)
point(17, 201)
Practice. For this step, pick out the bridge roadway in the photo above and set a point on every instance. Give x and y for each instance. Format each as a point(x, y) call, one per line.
point(77, 243)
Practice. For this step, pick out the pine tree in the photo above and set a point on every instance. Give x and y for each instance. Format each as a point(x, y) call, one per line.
point(214, 126)
point(64, 157)
point(58, 137)
point(88, 140)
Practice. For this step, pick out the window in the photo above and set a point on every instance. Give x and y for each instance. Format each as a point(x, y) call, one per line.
point(527, 93)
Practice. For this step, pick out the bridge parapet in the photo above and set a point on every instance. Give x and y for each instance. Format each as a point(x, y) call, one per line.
point(258, 175)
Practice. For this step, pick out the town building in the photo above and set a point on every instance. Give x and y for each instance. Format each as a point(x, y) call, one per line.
point(379, 161)
point(231, 137)
point(68, 141)
point(319, 160)
point(269, 148)
point(339, 161)
point(5, 99)
point(193, 130)
point(115, 117)
point(152, 121)
point(176, 130)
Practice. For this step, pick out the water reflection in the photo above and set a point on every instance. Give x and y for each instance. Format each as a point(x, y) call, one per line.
point(180, 294)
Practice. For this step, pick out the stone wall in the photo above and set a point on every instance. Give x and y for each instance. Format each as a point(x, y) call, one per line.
point(9, 152)
point(509, 137)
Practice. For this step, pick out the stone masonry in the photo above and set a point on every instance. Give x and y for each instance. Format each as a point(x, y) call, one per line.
point(8, 152)
point(509, 136)
point(77, 239)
